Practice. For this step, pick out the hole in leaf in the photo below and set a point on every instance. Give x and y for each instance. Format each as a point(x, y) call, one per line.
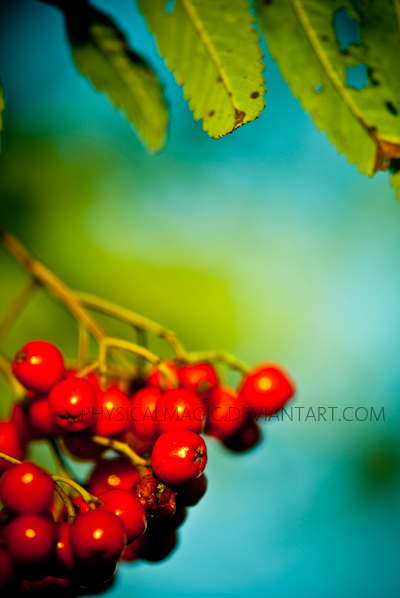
point(347, 29)
point(319, 88)
point(169, 7)
point(392, 109)
point(357, 76)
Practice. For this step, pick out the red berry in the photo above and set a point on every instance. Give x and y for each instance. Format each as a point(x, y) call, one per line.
point(112, 474)
point(155, 548)
point(180, 408)
point(266, 389)
point(190, 493)
point(41, 418)
point(8, 578)
point(30, 538)
point(26, 488)
point(225, 410)
point(81, 446)
point(179, 456)
point(129, 510)
point(157, 380)
point(111, 415)
point(97, 534)
point(64, 561)
point(244, 439)
point(11, 444)
point(19, 418)
point(71, 403)
point(199, 378)
point(144, 403)
point(38, 366)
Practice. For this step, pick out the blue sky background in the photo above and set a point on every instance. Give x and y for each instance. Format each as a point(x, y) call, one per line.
point(266, 243)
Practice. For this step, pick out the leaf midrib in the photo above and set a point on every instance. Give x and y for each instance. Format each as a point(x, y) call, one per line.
point(200, 30)
point(322, 57)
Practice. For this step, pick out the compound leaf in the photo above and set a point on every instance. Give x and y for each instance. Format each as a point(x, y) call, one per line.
point(212, 48)
point(101, 53)
point(361, 120)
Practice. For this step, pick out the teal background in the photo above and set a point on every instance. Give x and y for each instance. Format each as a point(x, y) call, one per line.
point(266, 243)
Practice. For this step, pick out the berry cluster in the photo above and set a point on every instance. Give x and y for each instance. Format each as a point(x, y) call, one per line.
point(58, 535)
point(155, 430)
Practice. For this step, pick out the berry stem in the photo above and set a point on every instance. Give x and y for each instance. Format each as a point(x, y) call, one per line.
point(87, 497)
point(66, 500)
point(92, 367)
point(118, 343)
point(125, 449)
point(61, 465)
point(83, 346)
point(218, 357)
point(67, 503)
point(15, 308)
point(140, 322)
point(52, 283)
point(6, 370)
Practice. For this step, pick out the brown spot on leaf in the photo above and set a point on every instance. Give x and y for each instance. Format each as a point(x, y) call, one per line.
point(219, 79)
point(386, 151)
point(254, 95)
point(239, 117)
point(324, 37)
point(267, 2)
point(211, 113)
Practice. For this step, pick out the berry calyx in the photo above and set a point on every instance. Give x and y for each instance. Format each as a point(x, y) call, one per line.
point(129, 511)
point(71, 403)
point(38, 365)
point(179, 456)
point(97, 535)
point(111, 415)
point(199, 378)
point(26, 488)
point(30, 539)
point(180, 408)
point(266, 389)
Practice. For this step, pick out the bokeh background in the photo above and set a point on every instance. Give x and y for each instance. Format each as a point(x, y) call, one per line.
point(266, 243)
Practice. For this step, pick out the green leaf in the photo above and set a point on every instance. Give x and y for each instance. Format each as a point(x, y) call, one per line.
point(101, 53)
point(212, 48)
point(2, 108)
point(363, 124)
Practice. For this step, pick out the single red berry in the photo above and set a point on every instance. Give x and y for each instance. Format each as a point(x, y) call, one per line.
point(245, 438)
point(41, 418)
point(143, 411)
point(97, 535)
point(30, 538)
point(179, 456)
point(180, 408)
point(190, 493)
point(112, 474)
point(72, 402)
point(11, 443)
point(38, 366)
point(9, 585)
point(64, 561)
point(129, 510)
point(111, 415)
point(157, 380)
point(154, 548)
point(81, 447)
point(156, 497)
point(26, 488)
point(199, 378)
point(225, 412)
point(20, 419)
point(266, 389)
